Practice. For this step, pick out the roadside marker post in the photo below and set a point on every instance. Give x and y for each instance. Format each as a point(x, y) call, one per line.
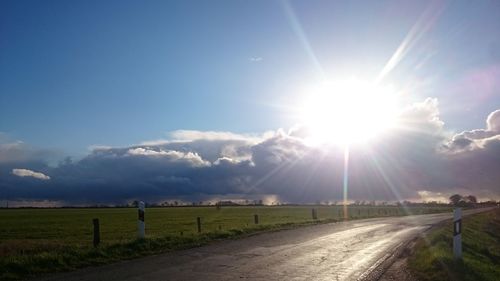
point(457, 233)
point(141, 233)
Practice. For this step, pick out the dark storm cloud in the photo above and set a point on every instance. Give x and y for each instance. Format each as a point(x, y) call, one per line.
point(417, 157)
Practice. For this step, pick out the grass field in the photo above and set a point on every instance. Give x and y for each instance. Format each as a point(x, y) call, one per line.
point(35, 241)
point(433, 256)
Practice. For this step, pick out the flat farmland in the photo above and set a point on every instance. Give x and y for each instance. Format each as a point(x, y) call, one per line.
point(31, 239)
point(74, 226)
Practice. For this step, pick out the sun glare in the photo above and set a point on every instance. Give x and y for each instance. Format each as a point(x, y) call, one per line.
point(349, 111)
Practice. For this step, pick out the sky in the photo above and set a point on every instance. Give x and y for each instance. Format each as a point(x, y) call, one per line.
point(199, 98)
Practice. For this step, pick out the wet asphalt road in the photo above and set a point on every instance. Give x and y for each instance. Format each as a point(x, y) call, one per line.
point(336, 251)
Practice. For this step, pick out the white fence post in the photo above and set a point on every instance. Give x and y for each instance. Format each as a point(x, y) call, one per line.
point(140, 222)
point(457, 233)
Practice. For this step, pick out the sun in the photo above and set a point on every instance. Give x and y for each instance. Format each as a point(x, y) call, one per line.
point(348, 112)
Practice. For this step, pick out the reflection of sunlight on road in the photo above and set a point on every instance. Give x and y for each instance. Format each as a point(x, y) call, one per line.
point(319, 258)
point(343, 255)
point(338, 237)
point(368, 255)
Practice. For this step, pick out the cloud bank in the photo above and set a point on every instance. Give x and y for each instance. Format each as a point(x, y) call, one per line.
point(415, 160)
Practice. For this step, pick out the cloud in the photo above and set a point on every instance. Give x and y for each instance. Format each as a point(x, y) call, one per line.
point(192, 158)
point(192, 135)
point(16, 151)
point(423, 116)
point(493, 121)
point(418, 159)
point(99, 147)
point(255, 59)
point(474, 157)
point(477, 139)
point(29, 173)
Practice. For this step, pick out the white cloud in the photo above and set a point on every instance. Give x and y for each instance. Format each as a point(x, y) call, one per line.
point(147, 152)
point(172, 155)
point(476, 139)
point(226, 160)
point(493, 121)
point(256, 59)
point(192, 135)
point(423, 117)
point(29, 173)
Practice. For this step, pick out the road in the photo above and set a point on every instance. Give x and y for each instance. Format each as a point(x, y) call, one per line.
point(336, 251)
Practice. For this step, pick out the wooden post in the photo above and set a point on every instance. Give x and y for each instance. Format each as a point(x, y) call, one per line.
point(97, 234)
point(256, 219)
point(198, 222)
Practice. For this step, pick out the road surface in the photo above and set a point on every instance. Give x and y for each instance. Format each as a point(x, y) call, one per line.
point(336, 251)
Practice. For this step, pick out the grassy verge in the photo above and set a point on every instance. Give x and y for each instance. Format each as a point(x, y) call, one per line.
point(38, 261)
point(432, 257)
point(38, 241)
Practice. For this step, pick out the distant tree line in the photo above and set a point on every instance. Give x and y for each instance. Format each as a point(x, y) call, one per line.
point(454, 200)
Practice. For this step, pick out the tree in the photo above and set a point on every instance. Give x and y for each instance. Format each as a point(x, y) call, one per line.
point(455, 198)
point(471, 199)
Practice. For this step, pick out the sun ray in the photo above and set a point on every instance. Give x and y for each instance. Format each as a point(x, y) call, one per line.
point(418, 30)
point(299, 31)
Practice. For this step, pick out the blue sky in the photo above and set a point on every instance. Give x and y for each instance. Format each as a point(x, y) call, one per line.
point(81, 73)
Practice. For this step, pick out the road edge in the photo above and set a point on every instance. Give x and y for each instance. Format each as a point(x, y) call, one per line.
point(400, 255)
point(378, 271)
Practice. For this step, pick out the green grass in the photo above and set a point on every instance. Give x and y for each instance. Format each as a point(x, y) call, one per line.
point(37, 241)
point(433, 256)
